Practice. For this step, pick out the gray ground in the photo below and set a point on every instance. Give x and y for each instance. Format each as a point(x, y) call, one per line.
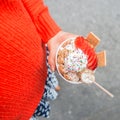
point(83, 102)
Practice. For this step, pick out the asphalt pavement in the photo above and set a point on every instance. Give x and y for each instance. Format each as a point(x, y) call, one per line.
point(88, 102)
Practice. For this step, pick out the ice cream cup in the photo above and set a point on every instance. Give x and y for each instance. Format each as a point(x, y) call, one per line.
point(87, 74)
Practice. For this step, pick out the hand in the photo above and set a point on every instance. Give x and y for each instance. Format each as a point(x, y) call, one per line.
point(53, 44)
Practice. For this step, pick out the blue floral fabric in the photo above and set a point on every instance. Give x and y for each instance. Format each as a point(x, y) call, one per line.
point(43, 108)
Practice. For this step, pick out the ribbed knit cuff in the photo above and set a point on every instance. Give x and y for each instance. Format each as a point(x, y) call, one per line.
point(46, 26)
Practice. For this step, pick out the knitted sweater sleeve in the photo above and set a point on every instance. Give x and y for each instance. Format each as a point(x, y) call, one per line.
point(40, 15)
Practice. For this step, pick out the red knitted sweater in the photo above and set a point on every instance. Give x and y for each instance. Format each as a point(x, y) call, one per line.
point(25, 25)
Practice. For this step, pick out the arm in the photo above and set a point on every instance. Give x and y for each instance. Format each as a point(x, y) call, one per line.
point(47, 27)
point(44, 23)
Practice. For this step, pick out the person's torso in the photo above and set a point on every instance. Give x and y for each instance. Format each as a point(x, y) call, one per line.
point(22, 63)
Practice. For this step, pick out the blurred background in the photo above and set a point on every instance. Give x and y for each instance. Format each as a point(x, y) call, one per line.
point(88, 102)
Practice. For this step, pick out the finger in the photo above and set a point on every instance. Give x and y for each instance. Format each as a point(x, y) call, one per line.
point(51, 61)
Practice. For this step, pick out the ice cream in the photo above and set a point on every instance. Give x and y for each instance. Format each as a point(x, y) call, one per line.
point(73, 57)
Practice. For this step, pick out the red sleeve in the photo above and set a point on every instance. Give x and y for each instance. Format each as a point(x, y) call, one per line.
point(44, 23)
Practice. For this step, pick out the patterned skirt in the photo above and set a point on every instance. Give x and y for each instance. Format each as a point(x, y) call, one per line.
point(50, 93)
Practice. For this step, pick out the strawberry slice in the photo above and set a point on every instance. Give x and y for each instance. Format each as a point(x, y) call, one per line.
point(93, 63)
point(82, 44)
point(87, 48)
point(92, 59)
point(94, 66)
point(90, 55)
point(79, 42)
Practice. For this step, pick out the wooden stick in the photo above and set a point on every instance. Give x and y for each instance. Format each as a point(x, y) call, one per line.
point(106, 91)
